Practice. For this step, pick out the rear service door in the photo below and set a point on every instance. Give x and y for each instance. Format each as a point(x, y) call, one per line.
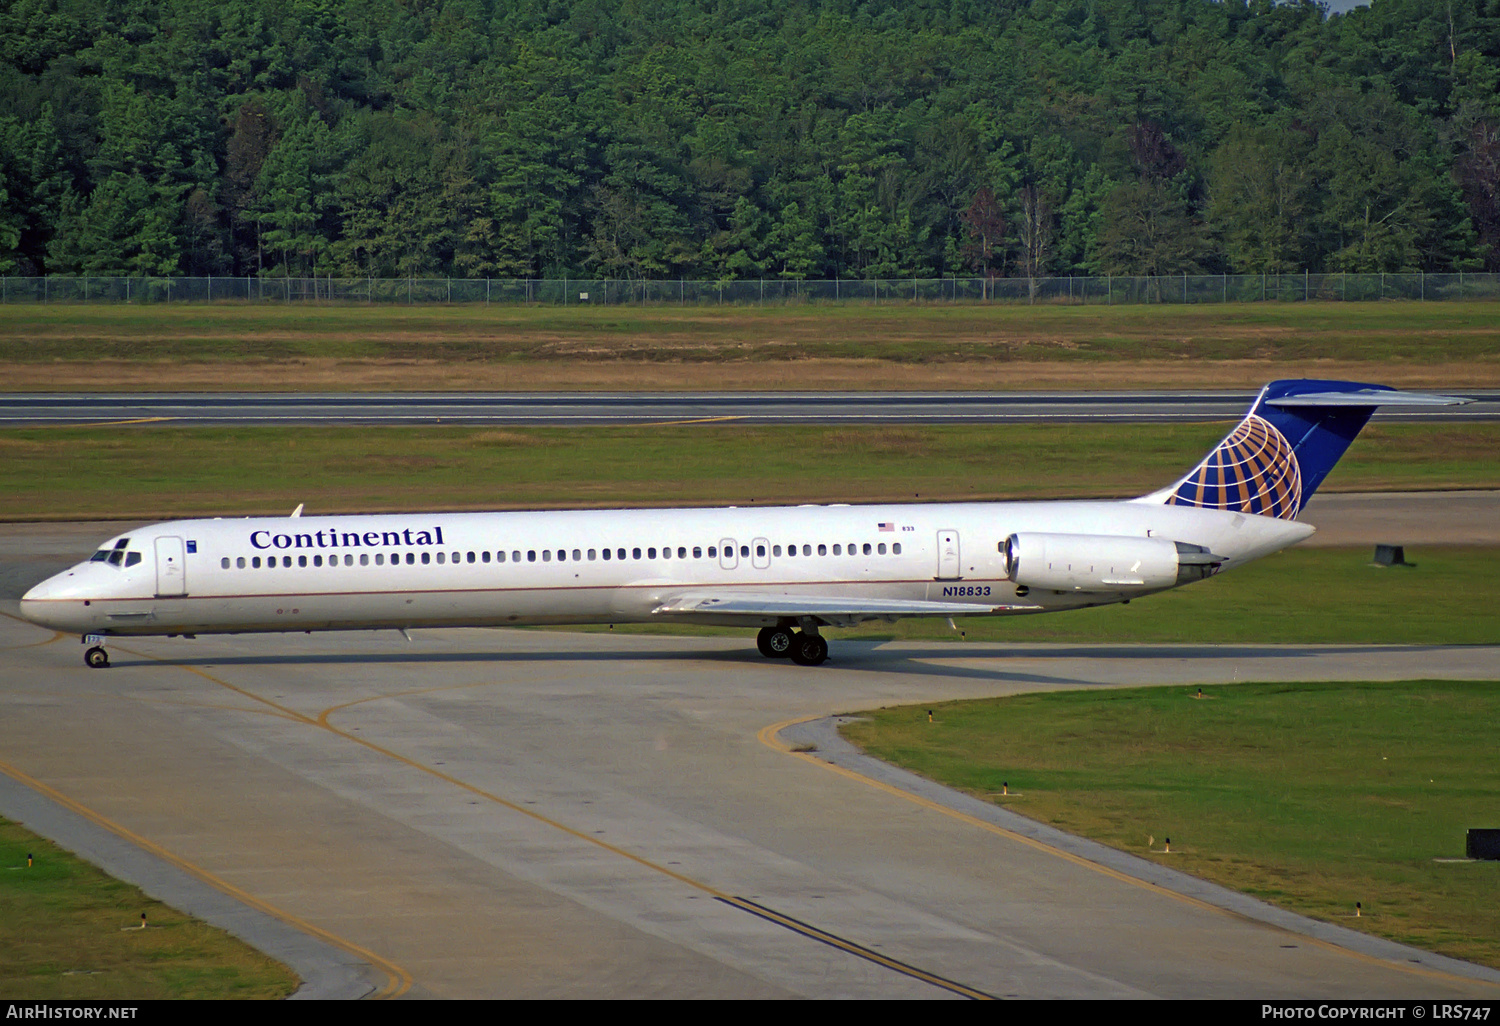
point(171, 567)
point(947, 542)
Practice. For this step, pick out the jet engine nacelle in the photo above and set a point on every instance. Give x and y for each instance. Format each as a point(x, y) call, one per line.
point(1104, 562)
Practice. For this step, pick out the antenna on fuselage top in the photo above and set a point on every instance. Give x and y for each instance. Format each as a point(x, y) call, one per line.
point(298, 511)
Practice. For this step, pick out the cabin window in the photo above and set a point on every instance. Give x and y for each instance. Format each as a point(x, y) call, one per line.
point(224, 563)
point(775, 550)
point(255, 562)
point(650, 553)
point(666, 552)
point(500, 556)
point(607, 554)
point(760, 550)
point(867, 548)
point(635, 553)
point(531, 555)
point(837, 551)
point(426, 558)
point(822, 550)
point(380, 559)
point(411, 558)
point(486, 555)
point(364, 559)
point(745, 550)
point(459, 555)
point(881, 548)
point(697, 552)
point(515, 556)
point(807, 550)
point(301, 560)
point(439, 557)
point(896, 548)
point(593, 555)
point(713, 553)
point(240, 562)
point(546, 555)
point(471, 557)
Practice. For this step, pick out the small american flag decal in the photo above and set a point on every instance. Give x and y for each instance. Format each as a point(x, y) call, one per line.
point(886, 526)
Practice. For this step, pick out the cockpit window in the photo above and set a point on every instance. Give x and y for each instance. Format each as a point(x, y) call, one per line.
point(122, 543)
point(132, 558)
point(99, 556)
point(116, 557)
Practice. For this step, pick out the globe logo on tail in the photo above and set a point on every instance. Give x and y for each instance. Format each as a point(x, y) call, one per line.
point(1254, 470)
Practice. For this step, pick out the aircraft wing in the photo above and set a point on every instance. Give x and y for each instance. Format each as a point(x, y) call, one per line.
point(841, 610)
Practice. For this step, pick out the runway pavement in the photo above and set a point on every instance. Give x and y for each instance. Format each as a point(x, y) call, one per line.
point(564, 409)
point(539, 814)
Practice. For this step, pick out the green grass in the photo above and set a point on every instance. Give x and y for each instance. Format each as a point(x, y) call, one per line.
point(1310, 796)
point(68, 932)
point(903, 333)
point(160, 471)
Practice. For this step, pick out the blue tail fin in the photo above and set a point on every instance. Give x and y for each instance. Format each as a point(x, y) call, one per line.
point(1275, 458)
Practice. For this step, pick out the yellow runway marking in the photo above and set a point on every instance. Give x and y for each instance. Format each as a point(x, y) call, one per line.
point(674, 423)
point(770, 737)
point(112, 423)
point(398, 980)
point(743, 904)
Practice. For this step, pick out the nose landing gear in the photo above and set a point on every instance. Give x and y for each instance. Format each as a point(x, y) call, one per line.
point(96, 657)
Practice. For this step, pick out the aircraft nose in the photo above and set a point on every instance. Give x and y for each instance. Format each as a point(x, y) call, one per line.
point(40, 602)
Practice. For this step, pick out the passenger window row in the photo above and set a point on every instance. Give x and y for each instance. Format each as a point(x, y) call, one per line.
point(544, 555)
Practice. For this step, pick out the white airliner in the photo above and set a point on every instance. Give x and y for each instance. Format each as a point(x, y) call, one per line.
point(789, 570)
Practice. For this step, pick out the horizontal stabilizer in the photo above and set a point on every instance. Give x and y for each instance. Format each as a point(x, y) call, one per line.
point(1369, 397)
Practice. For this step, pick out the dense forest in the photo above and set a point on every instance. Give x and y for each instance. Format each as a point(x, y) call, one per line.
point(719, 139)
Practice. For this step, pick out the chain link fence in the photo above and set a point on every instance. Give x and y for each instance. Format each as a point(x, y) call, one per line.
point(1177, 289)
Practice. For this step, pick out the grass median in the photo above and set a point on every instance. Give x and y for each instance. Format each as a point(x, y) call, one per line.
point(1310, 796)
point(70, 932)
point(892, 346)
point(145, 471)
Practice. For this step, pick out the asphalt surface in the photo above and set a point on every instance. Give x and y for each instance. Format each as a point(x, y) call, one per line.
point(564, 409)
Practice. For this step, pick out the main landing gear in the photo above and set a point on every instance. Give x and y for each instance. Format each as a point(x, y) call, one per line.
point(804, 648)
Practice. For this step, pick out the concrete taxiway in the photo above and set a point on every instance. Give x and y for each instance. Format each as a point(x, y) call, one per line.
point(538, 813)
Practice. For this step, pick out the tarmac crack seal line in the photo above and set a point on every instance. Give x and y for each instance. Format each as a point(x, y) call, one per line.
point(770, 736)
point(744, 904)
point(760, 911)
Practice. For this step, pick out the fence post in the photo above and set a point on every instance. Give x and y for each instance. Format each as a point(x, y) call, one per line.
point(1306, 284)
point(1423, 276)
point(1109, 285)
point(1224, 280)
